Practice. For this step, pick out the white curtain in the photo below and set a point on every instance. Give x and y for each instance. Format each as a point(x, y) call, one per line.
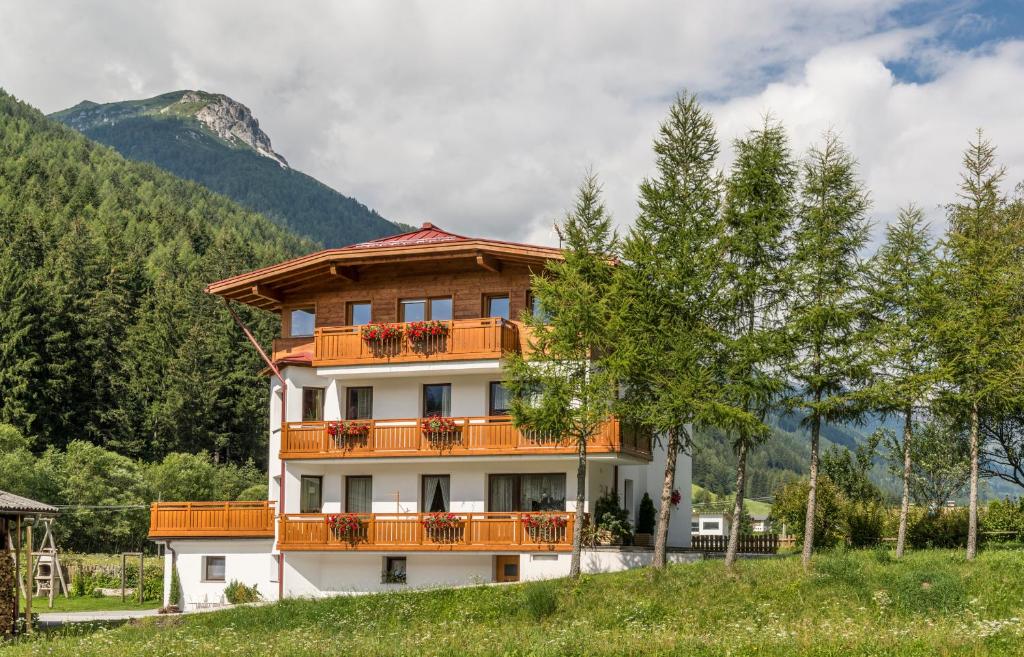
point(502, 490)
point(432, 485)
point(543, 493)
point(359, 495)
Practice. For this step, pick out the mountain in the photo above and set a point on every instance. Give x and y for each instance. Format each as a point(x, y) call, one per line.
point(106, 334)
point(217, 142)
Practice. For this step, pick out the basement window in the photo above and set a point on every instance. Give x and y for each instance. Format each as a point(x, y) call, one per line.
point(214, 569)
point(394, 570)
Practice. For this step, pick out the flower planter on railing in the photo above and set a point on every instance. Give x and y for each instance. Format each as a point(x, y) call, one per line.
point(443, 527)
point(545, 527)
point(348, 434)
point(442, 432)
point(346, 527)
point(427, 337)
point(383, 339)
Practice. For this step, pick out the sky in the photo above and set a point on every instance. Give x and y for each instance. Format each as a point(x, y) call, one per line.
point(483, 117)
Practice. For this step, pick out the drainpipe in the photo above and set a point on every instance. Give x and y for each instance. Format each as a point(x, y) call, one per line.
point(284, 415)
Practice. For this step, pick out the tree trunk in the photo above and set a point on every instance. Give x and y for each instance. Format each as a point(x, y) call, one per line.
point(972, 507)
point(581, 496)
point(812, 493)
point(901, 536)
point(665, 511)
point(737, 507)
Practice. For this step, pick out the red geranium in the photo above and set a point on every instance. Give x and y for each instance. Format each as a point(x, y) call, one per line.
point(438, 521)
point(419, 331)
point(677, 497)
point(348, 429)
point(439, 424)
point(381, 332)
point(345, 525)
point(544, 521)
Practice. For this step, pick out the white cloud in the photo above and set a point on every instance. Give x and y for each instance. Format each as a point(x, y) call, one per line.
point(483, 116)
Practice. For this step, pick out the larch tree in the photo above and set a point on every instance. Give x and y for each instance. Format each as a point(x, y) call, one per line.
point(900, 299)
point(825, 309)
point(566, 389)
point(667, 348)
point(758, 219)
point(980, 334)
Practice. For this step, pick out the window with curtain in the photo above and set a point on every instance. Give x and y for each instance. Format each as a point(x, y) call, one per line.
point(311, 499)
point(499, 400)
point(436, 495)
point(359, 405)
point(526, 492)
point(359, 494)
point(437, 400)
point(312, 404)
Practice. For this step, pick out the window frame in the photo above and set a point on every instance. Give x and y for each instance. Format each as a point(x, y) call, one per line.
point(291, 324)
point(490, 400)
point(302, 493)
point(428, 307)
point(349, 306)
point(207, 558)
point(424, 502)
point(348, 402)
point(348, 497)
point(423, 399)
point(323, 403)
point(486, 306)
point(386, 571)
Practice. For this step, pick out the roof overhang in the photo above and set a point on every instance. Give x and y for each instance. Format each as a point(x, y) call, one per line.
point(268, 287)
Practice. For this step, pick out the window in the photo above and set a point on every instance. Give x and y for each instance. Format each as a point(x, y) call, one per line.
point(627, 497)
point(394, 570)
point(418, 310)
point(311, 497)
point(437, 399)
point(499, 399)
point(496, 305)
point(359, 494)
point(711, 525)
point(533, 303)
point(359, 403)
point(303, 321)
point(436, 496)
point(359, 313)
point(694, 527)
point(214, 569)
point(312, 404)
point(526, 492)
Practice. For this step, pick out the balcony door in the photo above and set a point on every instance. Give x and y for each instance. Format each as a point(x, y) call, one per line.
point(436, 494)
point(526, 492)
point(359, 403)
point(359, 494)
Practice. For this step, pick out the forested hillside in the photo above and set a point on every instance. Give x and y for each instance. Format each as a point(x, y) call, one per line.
point(105, 333)
point(238, 162)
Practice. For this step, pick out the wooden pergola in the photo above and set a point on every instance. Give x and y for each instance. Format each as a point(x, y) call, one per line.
point(17, 516)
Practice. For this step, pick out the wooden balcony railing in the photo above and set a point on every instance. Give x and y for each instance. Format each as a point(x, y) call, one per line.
point(467, 339)
point(211, 519)
point(406, 531)
point(474, 436)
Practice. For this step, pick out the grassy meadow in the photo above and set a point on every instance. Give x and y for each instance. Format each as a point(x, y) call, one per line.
point(854, 603)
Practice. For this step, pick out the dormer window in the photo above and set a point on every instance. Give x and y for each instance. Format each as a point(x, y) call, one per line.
point(303, 322)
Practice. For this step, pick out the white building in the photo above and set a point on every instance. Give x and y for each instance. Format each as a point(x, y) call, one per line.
point(365, 497)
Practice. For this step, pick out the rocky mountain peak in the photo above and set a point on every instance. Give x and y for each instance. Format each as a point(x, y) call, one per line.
point(231, 121)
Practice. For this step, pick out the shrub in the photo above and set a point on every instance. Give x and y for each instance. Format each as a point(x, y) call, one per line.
point(256, 492)
point(175, 592)
point(1004, 518)
point(864, 523)
point(790, 508)
point(645, 517)
point(945, 529)
point(611, 516)
point(540, 599)
point(237, 593)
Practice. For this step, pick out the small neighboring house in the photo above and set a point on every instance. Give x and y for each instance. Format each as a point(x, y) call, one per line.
point(759, 523)
point(709, 523)
point(380, 342)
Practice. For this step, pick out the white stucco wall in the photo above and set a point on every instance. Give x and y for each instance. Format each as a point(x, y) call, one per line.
point(247, 560)
point(319, 574)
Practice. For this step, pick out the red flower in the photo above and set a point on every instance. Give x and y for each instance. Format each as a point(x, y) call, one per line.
point(677, 497)
point(443, 520)
point(381, 332)
point(348, 429)
point(544, 521)
point(419, 331)
point(439, 424)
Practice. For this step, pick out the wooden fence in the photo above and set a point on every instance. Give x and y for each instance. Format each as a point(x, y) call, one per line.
point(748, 544)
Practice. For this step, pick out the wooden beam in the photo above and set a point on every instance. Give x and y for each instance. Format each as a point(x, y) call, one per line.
point(347, 274)
point(264, 292)
point(489, 263)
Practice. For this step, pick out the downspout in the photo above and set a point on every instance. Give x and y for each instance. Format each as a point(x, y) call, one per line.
point(284, 414)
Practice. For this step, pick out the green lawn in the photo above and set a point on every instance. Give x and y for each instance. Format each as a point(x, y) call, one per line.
point(854, 603)
point(87, 603)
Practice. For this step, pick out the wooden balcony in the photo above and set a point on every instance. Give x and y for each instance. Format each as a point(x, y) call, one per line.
point(211, 520)
point(467, 339)
point(475, 436)
point(406, 532)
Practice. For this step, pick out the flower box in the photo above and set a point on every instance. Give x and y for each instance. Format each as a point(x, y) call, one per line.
point(419, 332)
point(545, 527)
point(443, 527)
point(348, 433)
point(441, 430)
point(378, 334)
point(346, 527)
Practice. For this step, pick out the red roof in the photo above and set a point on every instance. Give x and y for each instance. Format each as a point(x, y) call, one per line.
point(427, 234)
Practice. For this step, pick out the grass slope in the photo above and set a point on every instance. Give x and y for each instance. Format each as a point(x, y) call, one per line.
point(855, 603)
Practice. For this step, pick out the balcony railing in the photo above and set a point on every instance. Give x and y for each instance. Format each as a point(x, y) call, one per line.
point(211, 519)
point(473, 436)
point(407, 532)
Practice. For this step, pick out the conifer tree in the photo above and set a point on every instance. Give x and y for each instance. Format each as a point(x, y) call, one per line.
point(979, 333)
point(825, 307)
point(566, 388)
point(901, 302)
point(758, 218)
point(667, 344)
